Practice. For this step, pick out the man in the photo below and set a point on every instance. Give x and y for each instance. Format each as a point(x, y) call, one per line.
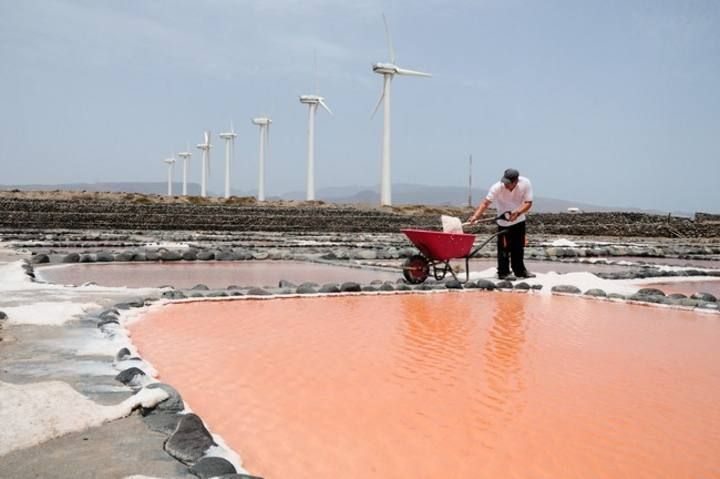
point(512, 194)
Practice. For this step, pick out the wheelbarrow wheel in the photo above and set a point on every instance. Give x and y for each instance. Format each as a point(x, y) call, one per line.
point(416, 269)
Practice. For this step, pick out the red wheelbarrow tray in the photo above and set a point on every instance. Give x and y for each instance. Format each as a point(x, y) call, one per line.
point(439, 246)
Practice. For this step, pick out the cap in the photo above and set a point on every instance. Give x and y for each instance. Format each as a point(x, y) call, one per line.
point(511, 174)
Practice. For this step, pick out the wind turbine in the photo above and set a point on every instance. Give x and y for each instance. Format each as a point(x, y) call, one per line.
point(388, 71)
point(312, 101)
point(170, 162)
point(205, 147)
point(264, 123)
point(185, 155)
point(229, 153)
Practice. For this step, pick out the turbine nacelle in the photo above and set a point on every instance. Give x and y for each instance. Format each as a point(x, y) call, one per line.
point(169, 161)
point(228, 136)
point(392, 69)
point(184, 154)
point(261, 121)
point(315, 100)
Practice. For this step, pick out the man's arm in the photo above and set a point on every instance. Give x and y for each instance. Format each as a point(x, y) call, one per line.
point(524, 208)
point(484, 204)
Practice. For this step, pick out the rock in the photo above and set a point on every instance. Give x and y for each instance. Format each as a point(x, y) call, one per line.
point(71, 258)
point(329, 256)
point(677, 296)
point(132, 377)
point(260, 255)
point(387, 287)
point(402, 287)
point(305, 289)
point(504, 285)
point(286, 284)
point(350, 287)
point(200, 287)
point(173, 294)
point(190, 254)
point(3, 315)
point(485, 284)
point(190, 440)
point(208, 467)
point(124, 353)
point(596, 292)
point(173, 403)
point(650, 292)
point(616, 296)
point(453, 284)
point(224, 256)
point(104, 257)
point(565, 288)
point(368, 288)
point(704, 297)
point(205, 256)
point(170, 255)
point(125, 256)
point(258, 292)
point(87, 258)
point(647, 298)
point(522, 286)
point(536, 287)
point(39, 259)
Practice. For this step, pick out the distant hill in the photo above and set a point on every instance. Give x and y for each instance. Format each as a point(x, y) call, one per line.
point(403, 194)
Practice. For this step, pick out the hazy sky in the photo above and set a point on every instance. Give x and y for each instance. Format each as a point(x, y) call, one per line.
point(606, 102)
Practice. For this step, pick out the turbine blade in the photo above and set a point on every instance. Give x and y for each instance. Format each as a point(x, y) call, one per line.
point(391, 50)
point(377, 105)
point(415, 73)
point(322, 104)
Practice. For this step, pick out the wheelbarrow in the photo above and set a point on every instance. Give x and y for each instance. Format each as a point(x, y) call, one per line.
point(437, 249)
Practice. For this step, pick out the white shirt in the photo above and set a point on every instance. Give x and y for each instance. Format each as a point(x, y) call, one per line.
point(506, 200)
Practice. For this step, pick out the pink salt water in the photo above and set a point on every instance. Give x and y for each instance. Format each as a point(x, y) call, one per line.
point(212, 274)
point(496, 385)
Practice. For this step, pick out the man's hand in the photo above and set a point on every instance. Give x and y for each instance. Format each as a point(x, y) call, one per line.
point(512, 216)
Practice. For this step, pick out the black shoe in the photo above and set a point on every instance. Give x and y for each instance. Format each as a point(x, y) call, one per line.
point(507, 277)
point(526, 275)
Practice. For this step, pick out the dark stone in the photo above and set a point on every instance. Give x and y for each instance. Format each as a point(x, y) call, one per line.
point(125, 256)
point(173, 295)
point(39, 259)
point(122, 354)
point(329, 256)
point(224, 256)
point(565, 288)
point(402, 287)
point(286, 284)
point(646, 298)
point(190, 440)
point(387, 287)
point(233, 287)
point(350, 287)
point(104, 257)
point(704, 297)
point(596, 292)
point(305, 289)
point(687, 302)
point(173, 403)
point(650, 292)
point(537, 287)
point(87, 258)
point(131, 376)
point(189, 254)
point(368, 288)
point(522, 286)
point(208, 467)
point(258, 292)
point(3, 315)
point(453, 284)
point(112, 312)
point(616, 296)
point(169, 255)
point(504, 285)
point(311, 284)
point(485, 284)
point(200, 287)
point(139, 257)
point(205, 256)
point(677, 296)
point(107, 320)
point(329, 288)
point(71, 258)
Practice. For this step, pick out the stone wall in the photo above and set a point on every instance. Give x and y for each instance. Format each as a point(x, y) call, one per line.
point(45, 214)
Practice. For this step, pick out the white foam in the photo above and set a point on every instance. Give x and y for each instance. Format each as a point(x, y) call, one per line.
point(47, 313)
point(34, 413)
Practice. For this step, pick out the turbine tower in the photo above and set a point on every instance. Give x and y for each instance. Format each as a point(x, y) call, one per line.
point(264, 123)
point(312, 101)
point(170, 162)
point(388, 71)
point(185, 155)
point(205, 147)
point(229, 153)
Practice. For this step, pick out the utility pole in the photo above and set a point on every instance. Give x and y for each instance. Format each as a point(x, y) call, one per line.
point(470, 202)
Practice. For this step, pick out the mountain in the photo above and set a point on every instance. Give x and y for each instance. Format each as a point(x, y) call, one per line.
point(157, 188)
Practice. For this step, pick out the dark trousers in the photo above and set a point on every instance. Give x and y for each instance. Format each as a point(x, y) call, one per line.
point(511, 249)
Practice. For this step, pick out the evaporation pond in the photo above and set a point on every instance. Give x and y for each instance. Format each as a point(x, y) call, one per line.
point(212, 274)
point(457, 385)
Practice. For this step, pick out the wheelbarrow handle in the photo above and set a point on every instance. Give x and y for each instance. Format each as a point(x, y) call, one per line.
point(501, 216)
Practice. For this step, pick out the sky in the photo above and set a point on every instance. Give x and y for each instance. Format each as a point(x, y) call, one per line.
point(609, 102)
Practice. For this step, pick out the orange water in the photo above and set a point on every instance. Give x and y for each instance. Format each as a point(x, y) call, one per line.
point(473, 385)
